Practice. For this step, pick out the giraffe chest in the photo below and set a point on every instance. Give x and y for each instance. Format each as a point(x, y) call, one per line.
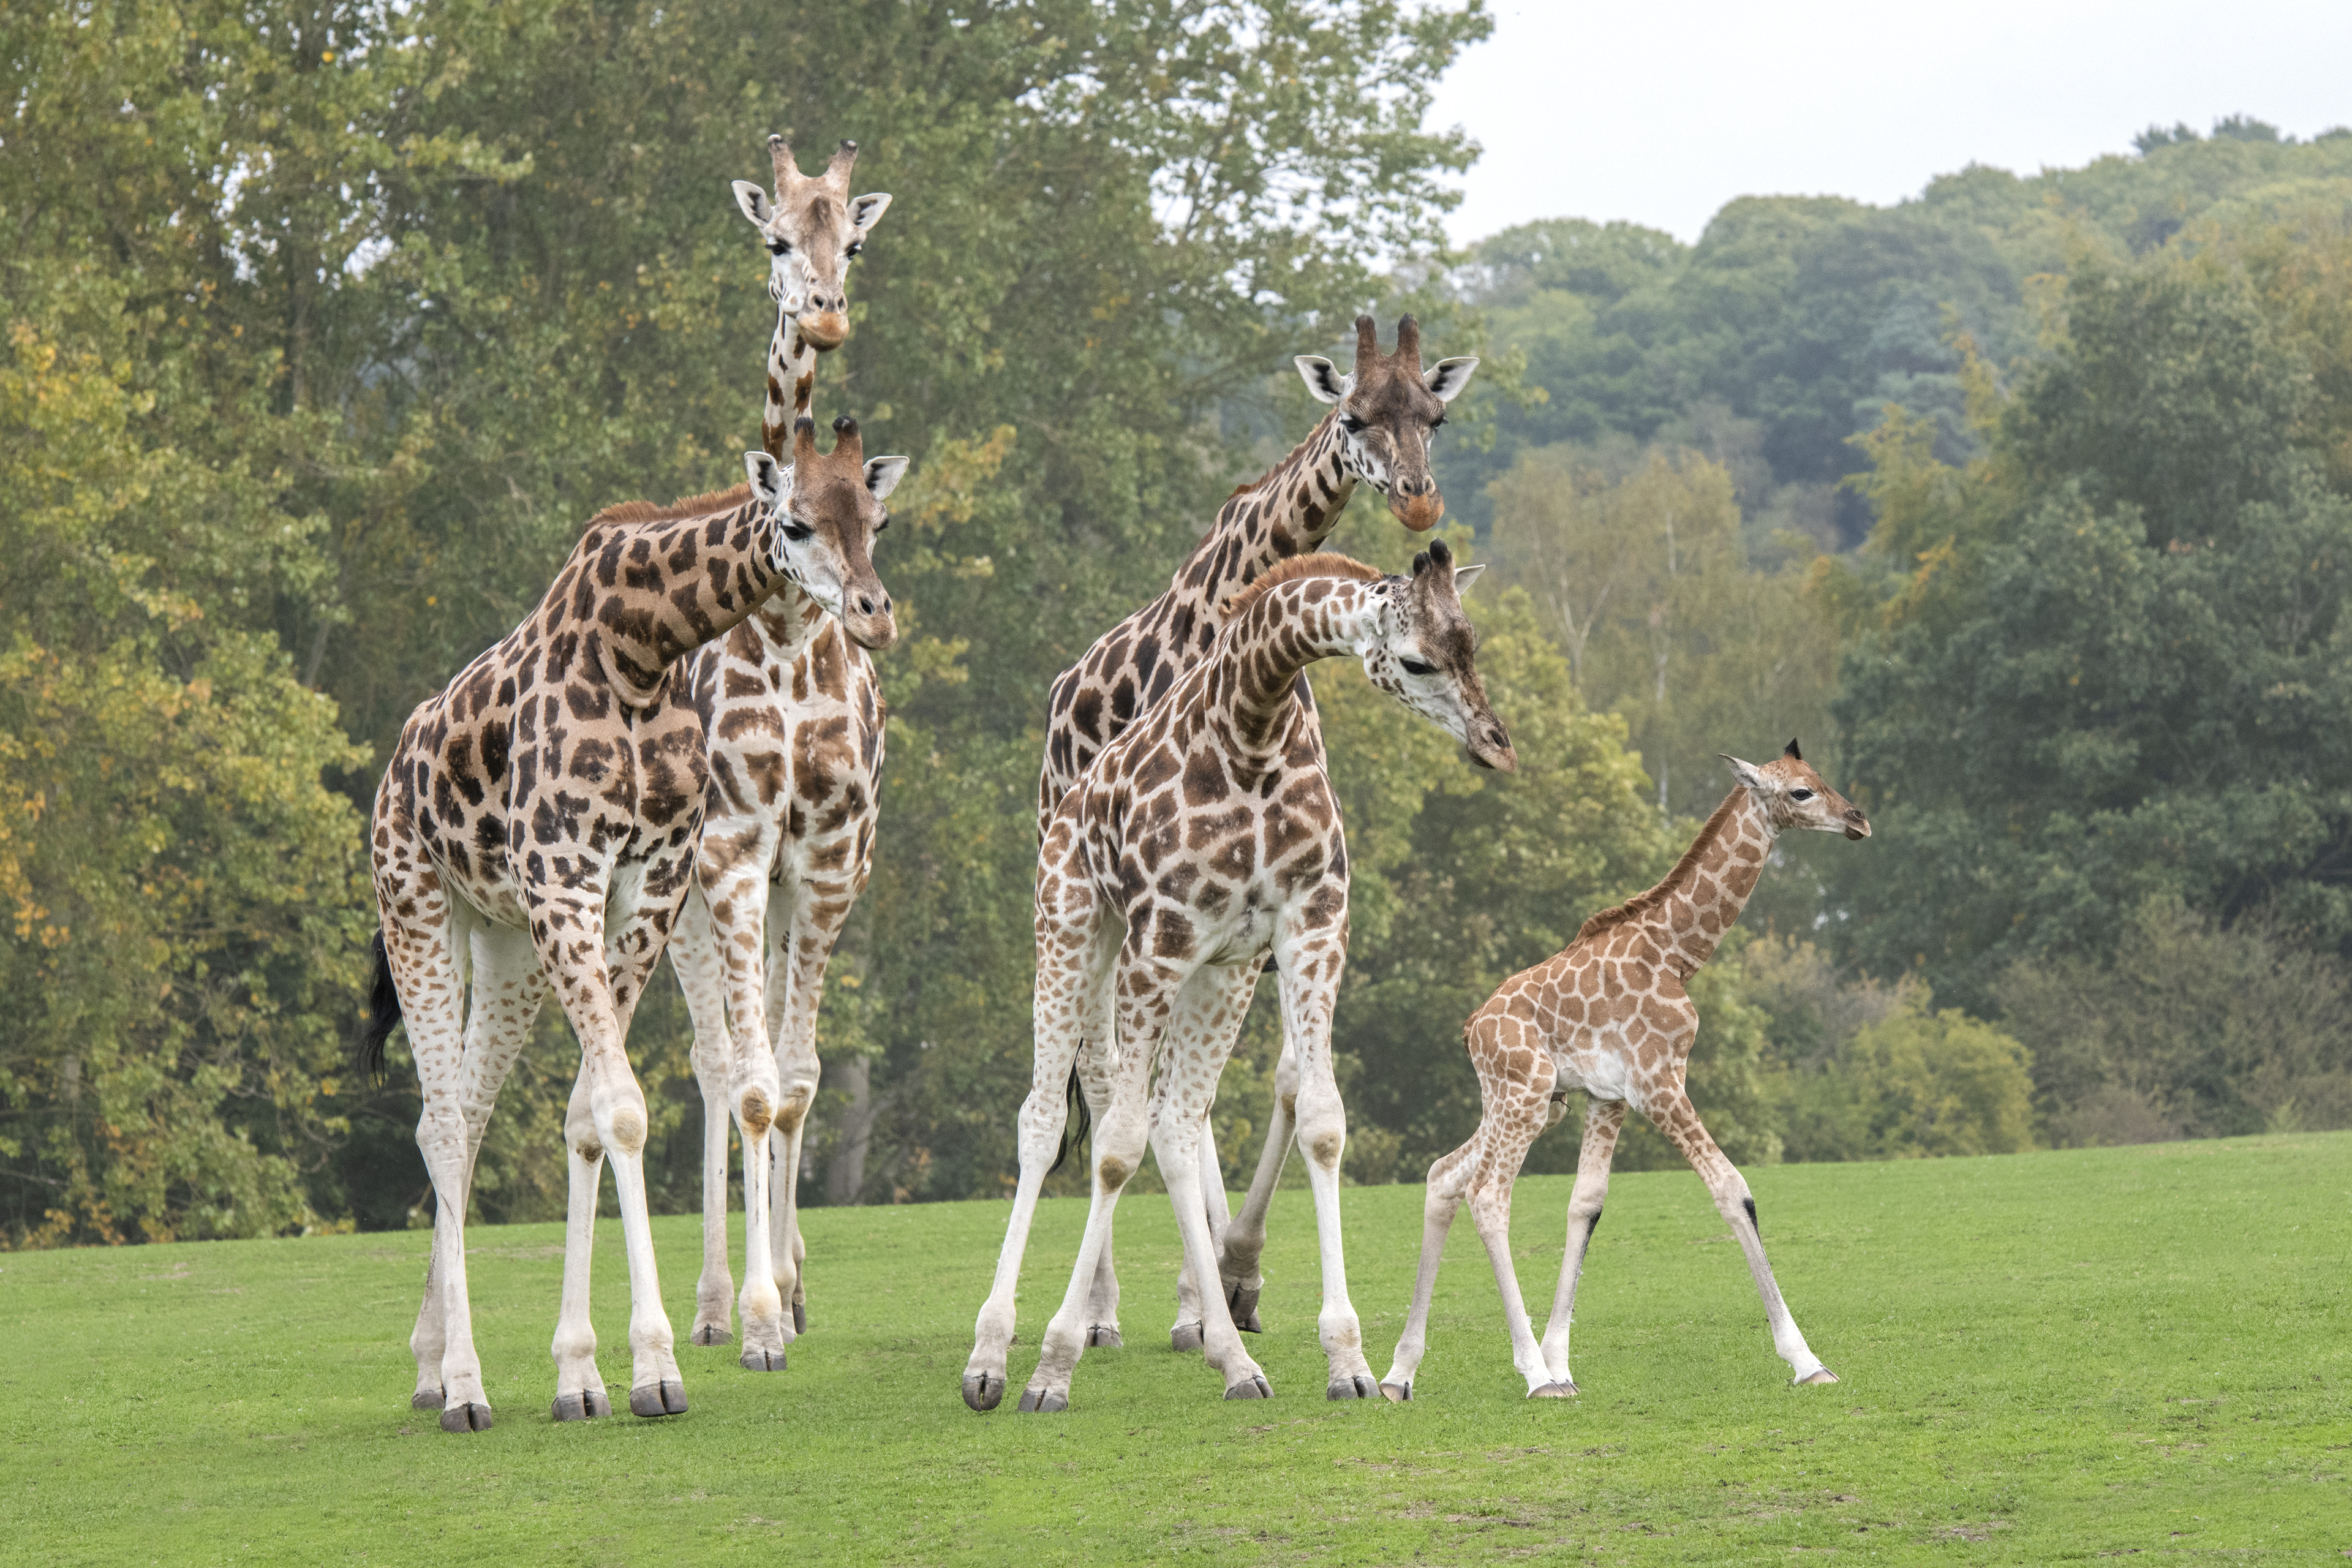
point(795, 750)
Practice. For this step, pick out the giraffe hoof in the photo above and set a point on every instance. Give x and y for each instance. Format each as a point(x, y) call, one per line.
point(762, 1361)
point(1254, 1387)
point(664, 1399)
point(1103, 1336)
point(800, 1319)
point(982, 1392)
point(426, 1399)
point(1358, 1388)
point(468, 1417)
point(1184, 1337)
point(711, 1335)
point(588, 1405)
point(1553, 1391)
point(1396, 1393)
point(1241, 1301)
point(1822, 1376)
point(1043, 1401)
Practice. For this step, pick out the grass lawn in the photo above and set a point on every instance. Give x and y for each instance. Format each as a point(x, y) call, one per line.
point(2045, 1357)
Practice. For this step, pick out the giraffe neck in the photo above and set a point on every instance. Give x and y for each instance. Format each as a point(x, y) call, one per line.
point(791, 385)
point(1263, 649)
point(654, 591)
point(1702, 896)
point(1289, 511)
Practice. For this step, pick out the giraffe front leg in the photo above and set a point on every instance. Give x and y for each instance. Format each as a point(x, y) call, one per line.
point(578, 1386)
point(1074, 953)
point(1312, 960)
point(1449, 1182)
point(1673, 1114)
point(694, 959)
point(805, 924)
point(1602, 1121)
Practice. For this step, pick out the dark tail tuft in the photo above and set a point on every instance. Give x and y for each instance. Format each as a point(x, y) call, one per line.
point(384, 1014)
point(1075, 1125)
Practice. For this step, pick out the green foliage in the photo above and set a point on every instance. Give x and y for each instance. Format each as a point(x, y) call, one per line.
point(2087, 694)
point(1915, 1085)
point(2188, 1030)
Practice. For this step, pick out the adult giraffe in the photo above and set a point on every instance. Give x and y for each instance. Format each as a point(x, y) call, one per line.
point(795, 754)
point(536, 829)
point(1202, 838)
point(1383, 414)
point(1609, 1016)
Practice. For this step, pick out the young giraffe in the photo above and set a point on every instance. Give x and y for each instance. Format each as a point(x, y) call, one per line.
point(1383, 414)
point(814, 230)
point(1609, 1016)
point(536, 829)
point(1201, 838)
point(788, 827)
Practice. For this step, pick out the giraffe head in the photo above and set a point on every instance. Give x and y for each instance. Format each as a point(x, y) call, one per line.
point(825, 510)
point(813, 230)
point(1793, 796)
point(1388, 407)
point(1422, 653)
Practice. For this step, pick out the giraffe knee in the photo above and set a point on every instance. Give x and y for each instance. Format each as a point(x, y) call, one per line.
point(1748, 1202)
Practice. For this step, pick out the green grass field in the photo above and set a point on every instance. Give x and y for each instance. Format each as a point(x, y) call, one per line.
point(2045, 1357)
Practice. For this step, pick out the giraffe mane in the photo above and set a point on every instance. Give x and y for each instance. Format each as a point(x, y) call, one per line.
point(1644, 903)
point(635, 512)
point(1317, 564)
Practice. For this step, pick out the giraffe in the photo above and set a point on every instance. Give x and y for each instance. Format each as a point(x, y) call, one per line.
point(1383, 414)
point(1609, 1016)
point(535, 831)
point(1200, 839)
point(796, 755)
point(814, 230)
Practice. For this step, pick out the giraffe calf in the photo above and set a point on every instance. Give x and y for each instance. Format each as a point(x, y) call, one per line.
point(1205, 834)
point(1609, 1016)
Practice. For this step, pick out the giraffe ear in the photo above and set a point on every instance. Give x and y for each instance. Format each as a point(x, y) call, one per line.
point(771, 482)
point(865, 212)
point(754, 202)
point(883, 474)
point(1466, 575)
point(1447, 377)
point(1324, 382)
point(1746, 773)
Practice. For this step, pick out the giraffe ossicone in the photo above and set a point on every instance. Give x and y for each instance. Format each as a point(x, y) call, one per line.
point(1203, 838)
point(1609, 1016)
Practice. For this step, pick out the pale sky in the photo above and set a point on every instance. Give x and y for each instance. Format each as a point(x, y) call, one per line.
point(1660, 113)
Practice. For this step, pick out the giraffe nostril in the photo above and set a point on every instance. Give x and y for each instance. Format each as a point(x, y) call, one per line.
point(865, 604)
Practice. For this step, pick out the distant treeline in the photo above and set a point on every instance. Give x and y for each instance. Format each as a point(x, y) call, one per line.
point(2025, 504)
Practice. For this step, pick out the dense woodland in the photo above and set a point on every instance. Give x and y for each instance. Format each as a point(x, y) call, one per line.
point(2027, 504)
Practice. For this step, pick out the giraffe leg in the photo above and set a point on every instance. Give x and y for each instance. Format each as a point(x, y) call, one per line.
point(1206, 1021)
point(812, 914)
point(1148, 991)
point(1602, 1121)
point(1449, 1182)
point(578, 1386)
point(1672, 1113)
point(1092, 1066)
point(1076, 949)
point(1245, 1239)
point(426, 952)
point(1511, 1130)
point(694, 959)
point(1312, 960)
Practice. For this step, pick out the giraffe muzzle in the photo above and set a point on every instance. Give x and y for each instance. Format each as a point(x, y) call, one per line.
point(1417, 512)
point(825, 330)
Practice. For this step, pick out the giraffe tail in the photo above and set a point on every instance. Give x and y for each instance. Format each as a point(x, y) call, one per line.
point(384, 1014)
point(1075, 1124)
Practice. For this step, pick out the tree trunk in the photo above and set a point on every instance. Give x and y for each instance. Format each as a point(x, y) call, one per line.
point(845, 1175)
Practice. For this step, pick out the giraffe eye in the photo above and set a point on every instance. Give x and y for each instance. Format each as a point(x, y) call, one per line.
point(780, 247)
point(1350, 423)
point(855, 250)
point(1418, 666)
point(796, 534)
point(1437, 421)
point(884, 523)
point(1801, 795)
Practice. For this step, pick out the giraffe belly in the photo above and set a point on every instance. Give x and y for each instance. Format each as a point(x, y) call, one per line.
point(1604, 1075)
point(1249, 935)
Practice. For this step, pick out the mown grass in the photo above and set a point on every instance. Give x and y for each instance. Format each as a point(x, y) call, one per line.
point(2045, 1357)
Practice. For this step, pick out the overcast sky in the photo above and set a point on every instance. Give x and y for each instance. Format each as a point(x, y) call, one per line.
point(1660, 114)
